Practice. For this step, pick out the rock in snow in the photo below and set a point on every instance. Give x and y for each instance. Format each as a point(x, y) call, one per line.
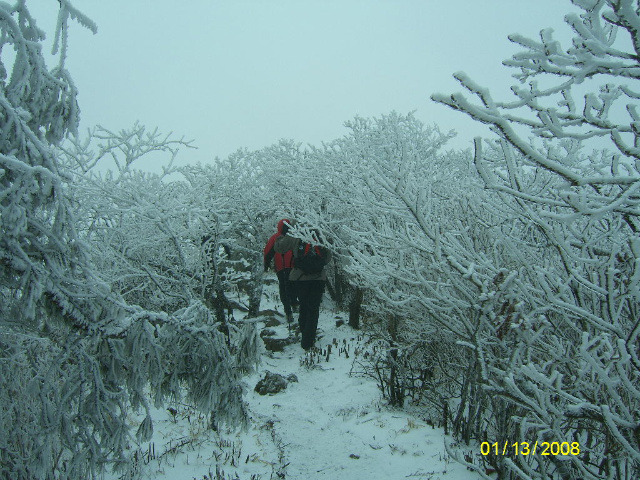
point(271, 384)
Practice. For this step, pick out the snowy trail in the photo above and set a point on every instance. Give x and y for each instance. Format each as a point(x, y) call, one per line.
point(328, 425)
point(335, 426)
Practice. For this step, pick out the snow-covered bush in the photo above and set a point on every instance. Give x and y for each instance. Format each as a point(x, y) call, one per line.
point(146, 231)
point(572, 373)
point(74, 354)
point(257, 189)
point(407, 220)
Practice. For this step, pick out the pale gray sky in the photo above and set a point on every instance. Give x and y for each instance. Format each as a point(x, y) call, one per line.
point(237, 73)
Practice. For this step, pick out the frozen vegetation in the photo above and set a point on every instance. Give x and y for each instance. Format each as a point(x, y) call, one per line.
point(495, 293)
point(329, 422)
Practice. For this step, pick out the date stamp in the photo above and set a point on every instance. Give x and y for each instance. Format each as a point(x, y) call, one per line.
point(526, 448)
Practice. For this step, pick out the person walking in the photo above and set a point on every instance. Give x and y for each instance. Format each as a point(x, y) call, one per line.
point(283, 266)
point(309, 277)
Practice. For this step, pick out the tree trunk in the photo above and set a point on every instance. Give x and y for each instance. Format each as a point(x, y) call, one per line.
point(256, 285)
point(355, 307)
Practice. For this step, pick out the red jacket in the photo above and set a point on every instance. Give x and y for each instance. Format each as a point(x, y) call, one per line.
point(282, 260)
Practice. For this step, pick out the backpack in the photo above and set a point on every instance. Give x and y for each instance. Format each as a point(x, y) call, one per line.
point(309, 259)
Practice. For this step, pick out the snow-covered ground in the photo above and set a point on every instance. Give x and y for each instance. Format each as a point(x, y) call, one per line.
point(327, 425)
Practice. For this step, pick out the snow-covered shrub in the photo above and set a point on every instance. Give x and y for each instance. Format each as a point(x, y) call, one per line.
point(145, 231)
point(74, 354)
point(254, 190)
point(412, 221)
point(572, 372)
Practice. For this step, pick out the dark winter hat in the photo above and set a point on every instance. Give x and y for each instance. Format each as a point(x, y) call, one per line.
point(283, 226)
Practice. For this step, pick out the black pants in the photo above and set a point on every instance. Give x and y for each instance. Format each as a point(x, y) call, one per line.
point(288, 294)
point(310, 296)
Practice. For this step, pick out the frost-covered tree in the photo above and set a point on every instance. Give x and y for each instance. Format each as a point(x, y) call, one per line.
point(159, 240)
point(144, 229)
point(255, 189)
point(38, 245)
point(574, 372)
point(411, 223)
point(74, 355)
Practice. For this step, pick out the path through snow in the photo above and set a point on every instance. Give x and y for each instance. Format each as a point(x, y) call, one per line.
point(335, 426)
point(328, 425)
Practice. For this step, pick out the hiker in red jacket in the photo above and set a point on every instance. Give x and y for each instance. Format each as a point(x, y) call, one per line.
point(309, 278)
point(283, 264)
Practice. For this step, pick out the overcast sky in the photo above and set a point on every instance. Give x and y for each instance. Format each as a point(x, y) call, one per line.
point(234, 73)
